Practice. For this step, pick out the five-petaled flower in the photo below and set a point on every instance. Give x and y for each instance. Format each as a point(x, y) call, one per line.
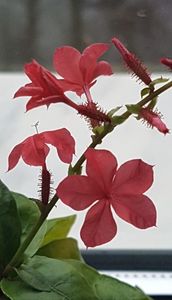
point(79, 71)
point(132, 62)
point(107, 187)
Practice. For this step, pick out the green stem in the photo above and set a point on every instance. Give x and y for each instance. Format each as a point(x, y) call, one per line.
point(16, 260)
point(109, 128)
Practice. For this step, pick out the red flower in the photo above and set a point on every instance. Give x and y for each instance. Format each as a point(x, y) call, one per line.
point(107, 188)
point(34, 149)
point(153, 119)
point(44, 88)
point(167, 62)
point(132, 62)
point(80, 70)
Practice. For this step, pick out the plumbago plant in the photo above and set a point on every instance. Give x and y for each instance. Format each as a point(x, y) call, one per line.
point(37, 259)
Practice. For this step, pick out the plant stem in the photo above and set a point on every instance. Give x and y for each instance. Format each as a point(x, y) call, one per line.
point(124, 116)
point(16, 260)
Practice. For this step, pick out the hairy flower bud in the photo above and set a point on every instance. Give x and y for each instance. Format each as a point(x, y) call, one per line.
point(153, 119)
point(133, 62)
point(93, 114)
point(167, 62)
point(45, 186)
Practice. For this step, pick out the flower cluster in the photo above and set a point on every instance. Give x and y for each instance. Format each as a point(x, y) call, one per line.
point(107, 188)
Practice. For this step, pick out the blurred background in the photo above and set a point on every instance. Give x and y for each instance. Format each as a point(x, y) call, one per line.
point(33, 29)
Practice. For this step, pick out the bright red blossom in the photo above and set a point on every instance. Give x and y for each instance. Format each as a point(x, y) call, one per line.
point(132, 62)
point(34, 149)
point(44, 88)
point(79, 71)
point(105, 188)
point(153, 119)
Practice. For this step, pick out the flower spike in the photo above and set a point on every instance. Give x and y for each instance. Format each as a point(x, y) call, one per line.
point(132, 62)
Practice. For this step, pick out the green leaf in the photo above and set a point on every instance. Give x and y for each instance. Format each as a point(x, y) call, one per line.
point(58, 228)
point(2, 296)
point(45, 278)
point(145, 91)
point(18, 290)
point(106, 287)
point(89, 273)
point(158, 81)
point(110, 288)
point(29, 214)
point(113, 111)
point(133, 108)
point(10, 227)
point(65, 248)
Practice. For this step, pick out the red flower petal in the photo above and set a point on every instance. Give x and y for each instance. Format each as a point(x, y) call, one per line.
point(78, 88)
point(102, 68)
point(63, 141)
point(66, 62)
point(28, 91)
point(35, 151)
point(51, 82)
point(96, 50)
point(87, 66)
point(99, 226)
point(14, 156)
point(68, 86)
point(37, 102)
point(133, 177)
point(101, 166)
point(137, 210)
point(88, 62)
point(78, 192)
point(32, 70)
